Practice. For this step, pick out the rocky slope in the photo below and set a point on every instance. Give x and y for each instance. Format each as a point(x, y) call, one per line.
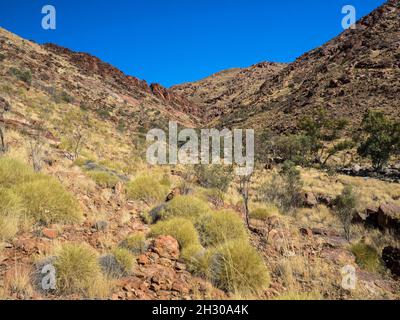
point(93, 84)
point(220, 93)
point(356, 71)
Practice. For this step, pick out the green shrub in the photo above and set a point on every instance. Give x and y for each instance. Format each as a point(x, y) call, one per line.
point(103, 179)
point(10, 211)
point(47, 201)
point(220, 226)
point(78, 270)
point(367, 257)
point(262, 213)
point(214, 176)
point(381, 138)
point(23, 75)
point(237, 267)
point(185, 207)
point(135, 243)
point(345, 205)
point(284, 190)
point(181, 229)
point(147, 189)
point(14, 172)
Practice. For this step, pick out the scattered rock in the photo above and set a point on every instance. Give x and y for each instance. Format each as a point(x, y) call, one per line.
point(50, 233)
point(166, 247)
point(389, 217)
point(101, 225)
point(310, 200)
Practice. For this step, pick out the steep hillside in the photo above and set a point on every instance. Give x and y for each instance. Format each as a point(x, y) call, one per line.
point(220, 93)
point(86, 81)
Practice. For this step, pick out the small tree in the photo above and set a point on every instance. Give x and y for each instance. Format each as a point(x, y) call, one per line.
point(284, 190)
point(214, 176)
point(4, 108)
point(320, 129)
point(244, 190)
point(78, 137)
point(381, 139)
point(35, 149)
point(345, 205)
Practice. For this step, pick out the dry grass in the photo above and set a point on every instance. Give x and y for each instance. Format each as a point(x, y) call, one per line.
point(318, 217)
point(18, 281)
point(371, 191)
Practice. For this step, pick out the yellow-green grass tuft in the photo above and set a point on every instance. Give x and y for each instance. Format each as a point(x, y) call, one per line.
point(367, 257)
point(220, 226)
point(47, 201)
point(103, 179)
point(13, 172)
point(146, 189)
point(188, 207)
point(10, 213)
point(262, 213)
point(136, 243)
point(179, 228)
point(78, 270)
point(237, 267)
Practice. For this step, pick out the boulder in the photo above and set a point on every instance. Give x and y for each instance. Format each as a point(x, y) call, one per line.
point(166, 247)
point(310, 200)
point(388, 217)
point(50, 233)
point(391, 257)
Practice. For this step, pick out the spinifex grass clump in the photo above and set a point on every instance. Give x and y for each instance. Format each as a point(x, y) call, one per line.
point(47, 201)
point(220, 226)
point(26, 194)
point(10, 213)
point(236, 266)
point(78, 271)
point(185, 207)
point(103, 179)
point(147, 189)
point(367, 257)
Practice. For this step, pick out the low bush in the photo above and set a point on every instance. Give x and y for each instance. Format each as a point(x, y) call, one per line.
point(23, 75)
point(185, 207)
point(103, 179)
point(237, 267)
point(47, 201)
point(147, 189)
point(284, 190)
point(220, 226)
point(367, 257)
point(214, 196)
point(214, 176)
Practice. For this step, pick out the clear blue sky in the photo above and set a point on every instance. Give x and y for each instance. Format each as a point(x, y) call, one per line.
point(175, 41)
